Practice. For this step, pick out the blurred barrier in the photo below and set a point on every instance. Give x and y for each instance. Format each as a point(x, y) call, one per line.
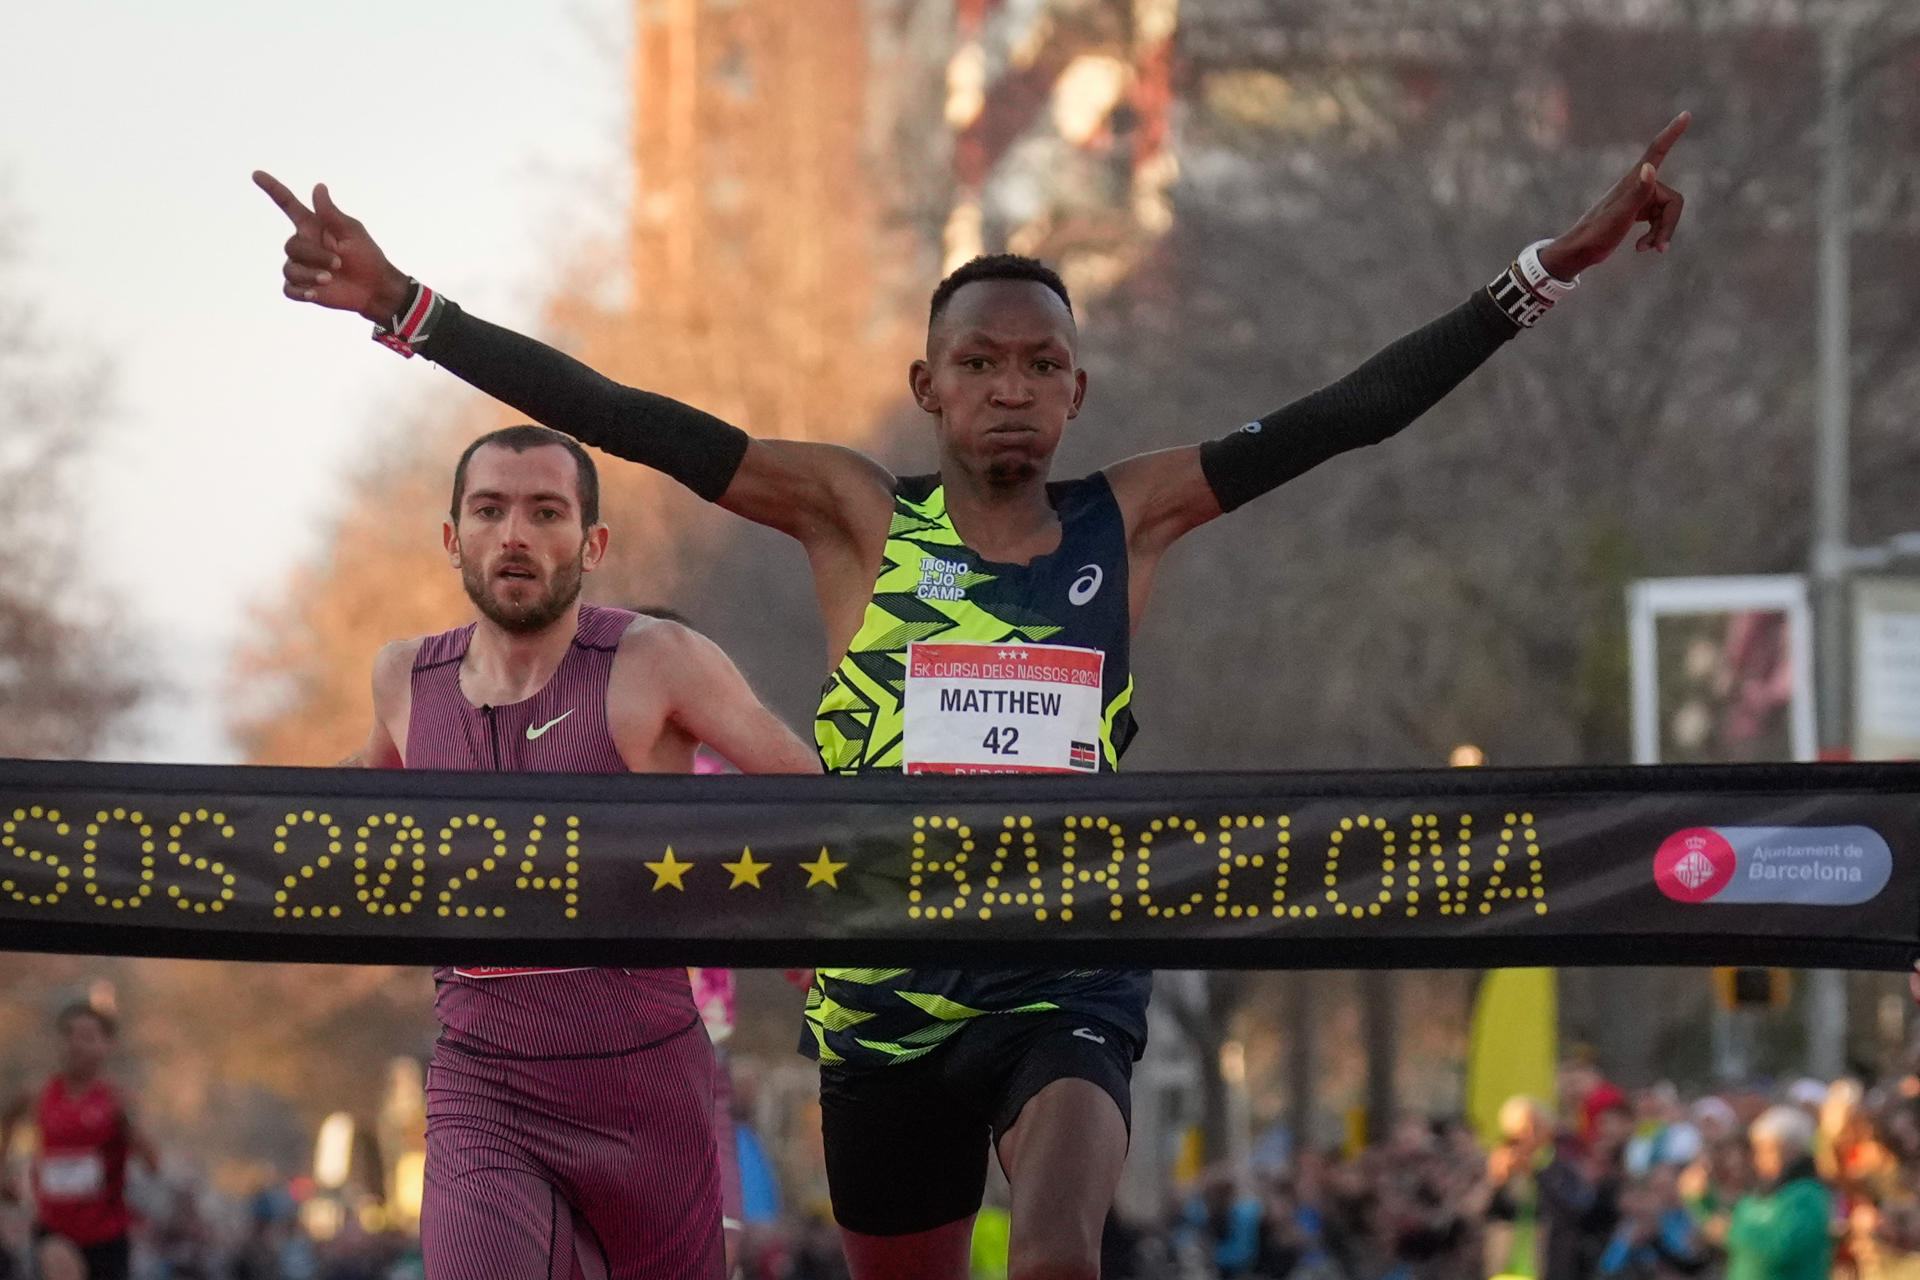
point(1764, 864)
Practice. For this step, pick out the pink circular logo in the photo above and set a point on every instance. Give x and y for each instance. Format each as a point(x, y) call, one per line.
point(1693, 865)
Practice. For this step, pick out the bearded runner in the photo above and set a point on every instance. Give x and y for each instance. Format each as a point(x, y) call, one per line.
point(570, 1112)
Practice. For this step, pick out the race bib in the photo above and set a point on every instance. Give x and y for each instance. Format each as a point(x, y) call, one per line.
point(1002, 708)
point(72, 1175)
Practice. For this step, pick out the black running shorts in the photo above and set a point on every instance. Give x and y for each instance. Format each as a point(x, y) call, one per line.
point(112, 1260)
point(906, 1144)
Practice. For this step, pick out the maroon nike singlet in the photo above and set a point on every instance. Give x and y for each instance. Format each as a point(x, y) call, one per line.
point(539, 1013)
point(570, 1112)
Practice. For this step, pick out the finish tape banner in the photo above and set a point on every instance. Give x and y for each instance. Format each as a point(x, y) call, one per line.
point(1797, 865)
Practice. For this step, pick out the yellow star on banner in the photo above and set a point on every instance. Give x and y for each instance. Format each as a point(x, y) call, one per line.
point(746, 871)
point(822, 870)
point(668, 871)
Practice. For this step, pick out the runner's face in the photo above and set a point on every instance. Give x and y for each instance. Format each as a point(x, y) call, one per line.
point(519, 544)
point(1000, 375)
point(83, 1046)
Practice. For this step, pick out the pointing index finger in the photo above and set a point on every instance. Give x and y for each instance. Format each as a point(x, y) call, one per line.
point(289, 203)
point(1658, 148)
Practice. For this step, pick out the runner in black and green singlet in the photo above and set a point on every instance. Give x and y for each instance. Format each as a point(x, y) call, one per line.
point(934, 593)
point(977, 621)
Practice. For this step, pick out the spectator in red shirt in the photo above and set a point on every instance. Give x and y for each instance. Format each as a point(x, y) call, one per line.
point(79, 1173)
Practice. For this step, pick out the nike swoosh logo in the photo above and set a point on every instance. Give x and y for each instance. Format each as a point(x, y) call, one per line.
point(1085, 1034)
point(1086, 584)
point(533, 733)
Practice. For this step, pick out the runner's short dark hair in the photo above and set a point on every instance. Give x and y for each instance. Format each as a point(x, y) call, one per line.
point(525, 437)
point(81, 1009)
point(997, 266)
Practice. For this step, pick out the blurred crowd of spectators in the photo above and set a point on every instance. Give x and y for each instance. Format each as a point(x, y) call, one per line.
point(1809, 1182)
point(187, 1231)
point(1804, 1183)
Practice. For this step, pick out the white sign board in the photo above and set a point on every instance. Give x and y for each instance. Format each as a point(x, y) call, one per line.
point(1722, 669)
point(1886, 669)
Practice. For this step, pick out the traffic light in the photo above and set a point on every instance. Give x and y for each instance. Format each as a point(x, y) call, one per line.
point(1752, 988)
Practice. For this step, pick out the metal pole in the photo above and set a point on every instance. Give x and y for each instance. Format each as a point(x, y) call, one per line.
point(1302, 1080)
point(1830, 480)
point(1730, 1065)
point(1643, 655)
point(1827, 994)
point(1378, 995)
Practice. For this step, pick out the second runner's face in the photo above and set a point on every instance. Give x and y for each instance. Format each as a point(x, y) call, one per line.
point(519, 544)
point(1000, 376)
point(84, 1045)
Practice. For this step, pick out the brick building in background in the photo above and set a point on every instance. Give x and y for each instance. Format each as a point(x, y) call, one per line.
point(1061, 112)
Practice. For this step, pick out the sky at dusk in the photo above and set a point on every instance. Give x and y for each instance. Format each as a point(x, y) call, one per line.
point(477, 139)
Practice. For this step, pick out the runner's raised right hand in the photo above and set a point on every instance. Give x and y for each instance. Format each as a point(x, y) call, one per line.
point(331, 260)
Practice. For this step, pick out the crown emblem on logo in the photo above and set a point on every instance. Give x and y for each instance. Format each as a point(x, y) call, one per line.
point(1694, 865)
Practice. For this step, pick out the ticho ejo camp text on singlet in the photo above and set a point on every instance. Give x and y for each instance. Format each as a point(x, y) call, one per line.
point(965, 665)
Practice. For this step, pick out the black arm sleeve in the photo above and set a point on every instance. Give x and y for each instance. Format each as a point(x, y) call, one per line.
point(555, 390)
point(1383, 395)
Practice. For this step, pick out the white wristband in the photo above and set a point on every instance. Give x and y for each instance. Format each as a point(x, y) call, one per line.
point(1537, 278)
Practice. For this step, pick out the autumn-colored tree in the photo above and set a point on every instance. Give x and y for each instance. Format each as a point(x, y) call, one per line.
point(1464, 582)
point(228, 1059)
point(1351, 169)
point(233, 1066)
point(65, 673)
point(762, 273)
point(301, 690)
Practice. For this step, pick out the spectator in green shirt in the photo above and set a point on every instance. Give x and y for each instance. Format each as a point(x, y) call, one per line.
point(1782, 1232)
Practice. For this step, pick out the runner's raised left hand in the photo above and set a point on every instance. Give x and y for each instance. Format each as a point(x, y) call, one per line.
point(1639, 196)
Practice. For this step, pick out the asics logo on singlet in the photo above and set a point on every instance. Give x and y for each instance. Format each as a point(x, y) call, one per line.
point(533, 733)
point(1087, 585)
point(1086, 1034)
point(1252, 428)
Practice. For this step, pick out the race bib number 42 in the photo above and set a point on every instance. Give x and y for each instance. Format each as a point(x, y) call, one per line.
point(1002, 708)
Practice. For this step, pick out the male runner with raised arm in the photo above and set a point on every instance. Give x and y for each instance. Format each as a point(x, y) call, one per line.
point(569, 1111)
point(977, 619)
